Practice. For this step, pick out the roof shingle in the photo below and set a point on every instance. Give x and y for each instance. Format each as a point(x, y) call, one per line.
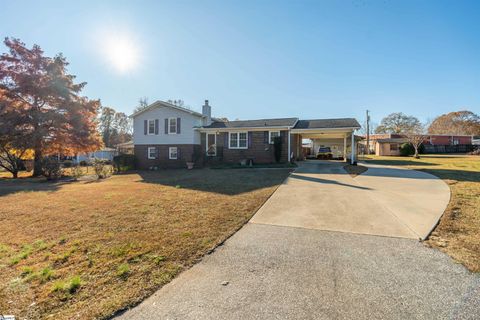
point(327, 123)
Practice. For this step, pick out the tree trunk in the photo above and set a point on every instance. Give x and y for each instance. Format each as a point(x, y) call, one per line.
point(416, 153)
point(15, 174)
point(37, 163)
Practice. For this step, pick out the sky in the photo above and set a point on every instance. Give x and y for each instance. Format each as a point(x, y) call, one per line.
point(265, 59)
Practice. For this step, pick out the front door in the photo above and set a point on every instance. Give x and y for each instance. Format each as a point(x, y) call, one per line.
point(211, 144)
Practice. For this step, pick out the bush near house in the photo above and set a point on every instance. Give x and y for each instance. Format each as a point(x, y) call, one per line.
point(407, 149)
point(124, 162)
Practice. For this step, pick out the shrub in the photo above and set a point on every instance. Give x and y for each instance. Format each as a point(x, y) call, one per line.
point(407, 149)
point(67, 163)
point(76, 172)
point(124, 162)
point(51, 168)
point(83, 163)
point(102, 170)
point(277, 148)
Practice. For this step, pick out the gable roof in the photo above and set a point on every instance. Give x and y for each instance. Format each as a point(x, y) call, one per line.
point(327, 123)
point(260, 123)
point(159, 104)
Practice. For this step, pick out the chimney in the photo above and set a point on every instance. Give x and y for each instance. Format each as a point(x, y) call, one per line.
point(207, 112)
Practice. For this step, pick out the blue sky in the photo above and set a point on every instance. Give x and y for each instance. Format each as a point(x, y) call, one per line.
point(263, 59)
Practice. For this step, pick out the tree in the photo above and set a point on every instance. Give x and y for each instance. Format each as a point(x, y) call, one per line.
point(415, 136)
point(458, 122)
point(52, 113)
point(397, 123)
point(106, 124)
point(142, 104)
point(115, 127)
point(14, 146)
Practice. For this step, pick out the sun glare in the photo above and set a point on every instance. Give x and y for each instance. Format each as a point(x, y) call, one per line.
point(122, 53)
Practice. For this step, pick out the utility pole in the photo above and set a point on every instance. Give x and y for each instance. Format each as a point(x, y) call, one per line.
point(368, 133)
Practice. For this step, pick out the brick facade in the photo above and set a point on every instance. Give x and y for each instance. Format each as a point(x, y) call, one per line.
point(185, 152)
point(259, 150)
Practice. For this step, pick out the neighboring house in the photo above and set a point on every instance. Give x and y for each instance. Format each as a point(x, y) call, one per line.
point(389, 144)
point(166, 135)
point(103, 154)
point(125, 148)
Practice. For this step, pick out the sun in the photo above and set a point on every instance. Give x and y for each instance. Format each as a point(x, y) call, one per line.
point(121, 53)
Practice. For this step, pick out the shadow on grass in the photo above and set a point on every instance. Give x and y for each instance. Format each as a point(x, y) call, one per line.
point(395, 162)
point(10, 186)
point(225, 181)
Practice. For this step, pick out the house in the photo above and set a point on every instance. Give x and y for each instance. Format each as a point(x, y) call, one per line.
point(389, 144)
point(102, 154)
point(167, 136)
point(125, 148)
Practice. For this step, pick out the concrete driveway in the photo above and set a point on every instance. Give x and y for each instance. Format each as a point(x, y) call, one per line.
point(291, 268)
point(383, 201)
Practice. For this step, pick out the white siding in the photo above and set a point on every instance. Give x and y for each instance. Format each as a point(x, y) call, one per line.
point(187, 134)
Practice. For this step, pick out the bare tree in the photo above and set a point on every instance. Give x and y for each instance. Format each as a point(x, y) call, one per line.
point(142, 104)
point(415, 135)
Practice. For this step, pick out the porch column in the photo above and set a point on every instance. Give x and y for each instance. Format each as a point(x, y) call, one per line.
point(352, 160)
point(288, 157)
point(345, 147)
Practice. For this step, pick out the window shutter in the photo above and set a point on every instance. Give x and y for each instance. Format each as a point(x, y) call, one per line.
point(265, 137)
point(249, 137)
point(166, 126)
point(179, 154)
point(147, 153)
point(225, 139)
point(178, 125)
point(156, 153)
point(145, 125)
point(156, 126)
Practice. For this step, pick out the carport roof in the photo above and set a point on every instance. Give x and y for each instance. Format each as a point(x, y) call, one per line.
point(327, 123)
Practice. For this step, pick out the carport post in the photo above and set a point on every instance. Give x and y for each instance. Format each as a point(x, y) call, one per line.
point(345, 148)
point(288, 158)
point(352, 160)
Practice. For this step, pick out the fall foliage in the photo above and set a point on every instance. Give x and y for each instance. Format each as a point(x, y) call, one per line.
point(458, 122)
point(50, 114)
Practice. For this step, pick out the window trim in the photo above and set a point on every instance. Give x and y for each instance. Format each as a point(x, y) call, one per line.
point(170, 153)
point(270, 136)
point(237, 133)
point(148, 153)
point(148, 127)
point(169, 126)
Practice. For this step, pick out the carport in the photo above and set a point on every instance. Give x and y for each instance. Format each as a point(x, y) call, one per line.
point(338, 134)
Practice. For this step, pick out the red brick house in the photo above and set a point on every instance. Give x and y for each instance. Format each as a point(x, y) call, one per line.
point(166, 135)
point(389, 144)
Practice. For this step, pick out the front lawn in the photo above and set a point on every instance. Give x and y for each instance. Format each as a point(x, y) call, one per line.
point(458, 233)
point(88, 249)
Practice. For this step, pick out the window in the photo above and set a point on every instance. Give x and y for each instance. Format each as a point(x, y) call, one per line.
point(237, 140)
point(152, 153)
point(172, 125)
point(151, 126)
point(172, 153)
point(394, 146)
point(272, 135)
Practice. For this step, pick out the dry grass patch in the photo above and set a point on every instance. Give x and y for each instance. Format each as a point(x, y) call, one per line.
point(458, 233)
point(87, 249)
